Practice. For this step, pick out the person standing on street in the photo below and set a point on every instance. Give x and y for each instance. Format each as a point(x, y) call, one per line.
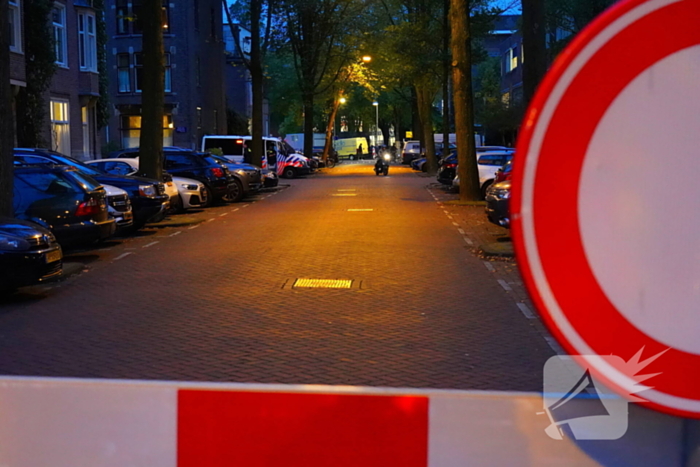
point(359, 152)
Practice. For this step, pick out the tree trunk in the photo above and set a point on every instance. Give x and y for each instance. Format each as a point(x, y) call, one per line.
point(464, 109)
point(425, 107)
point(308, 99)
point(446, 80)
point(152, 96)
point(256, 78)
point(6, 123)
point(330, 128)
point(416, 123)
point(534, 47)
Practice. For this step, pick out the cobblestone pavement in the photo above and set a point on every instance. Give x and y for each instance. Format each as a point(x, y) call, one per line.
point(213, 302)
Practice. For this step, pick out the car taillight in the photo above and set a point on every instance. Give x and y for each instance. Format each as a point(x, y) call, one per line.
point(218, 173)
point(450, 166)
point(88, 208)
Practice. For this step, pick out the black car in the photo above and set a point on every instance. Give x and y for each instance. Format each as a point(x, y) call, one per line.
point(220, 182)
point(447, 170)
point(498, 203)
point(148, 198)
point(73, 206)
point(29, 254)
point(249, 175)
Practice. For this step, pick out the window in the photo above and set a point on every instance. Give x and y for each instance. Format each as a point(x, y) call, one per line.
point(87, 42)
point(167, 75)
point(85, 115)
point(138, 71)
point(128, 20)
point(123, 73)
point(58, 18)
point(131, 130)
point(15, 26)
point(60, 126)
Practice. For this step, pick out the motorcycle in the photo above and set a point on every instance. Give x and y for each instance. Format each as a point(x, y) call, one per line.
point(382, 165)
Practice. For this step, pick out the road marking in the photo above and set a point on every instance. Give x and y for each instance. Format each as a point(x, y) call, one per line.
point(343, 194)
point(245, 205)
point(554, 345)
point(505, 285)
point(360, 210)
point(193, 227)
point(234, 210)
point(212, 219)
point(176, 233)
point(347, 189)
point(526, 311)
point(468, 240)
point(489, 266)
point(446, 211)
point(455, 224)
point(461, 232)
point(224, 214)
point(148, 245)
point(123, 255)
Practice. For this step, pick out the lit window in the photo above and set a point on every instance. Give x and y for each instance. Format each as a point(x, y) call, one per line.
point(168, 75)
point(58, 19)
point(60, 127)
point(85, 114)
point(511, 60)
point(15, 21)
point(87, 42)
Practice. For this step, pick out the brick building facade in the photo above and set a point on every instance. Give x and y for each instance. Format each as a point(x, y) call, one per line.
point(195, 102)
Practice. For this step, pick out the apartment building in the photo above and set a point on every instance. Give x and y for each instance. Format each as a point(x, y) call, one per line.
point(195, 100)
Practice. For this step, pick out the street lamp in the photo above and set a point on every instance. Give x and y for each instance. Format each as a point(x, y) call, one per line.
point(366, 59)
point(342, 100)
point(376, 130)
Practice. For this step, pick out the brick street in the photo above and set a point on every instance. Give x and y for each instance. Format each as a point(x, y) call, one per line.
point(214, 302)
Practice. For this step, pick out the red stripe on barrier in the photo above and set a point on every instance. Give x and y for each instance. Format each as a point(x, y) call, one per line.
point(227, 428)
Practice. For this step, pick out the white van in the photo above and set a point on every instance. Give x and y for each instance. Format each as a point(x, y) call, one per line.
point(285, 162)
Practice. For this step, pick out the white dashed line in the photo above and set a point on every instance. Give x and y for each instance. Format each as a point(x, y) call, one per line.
point(505, 285)
point(193, 227)
point(461, 232)
point(555, 345)
point(212, 219)
point(148, 245)
point(224, 214)
point(526, 311)
point(455, 224)
point(489, 266)
point(468, 240)
point(176, 233)
point(234, 210)
point(245, 205)
point(123, 255)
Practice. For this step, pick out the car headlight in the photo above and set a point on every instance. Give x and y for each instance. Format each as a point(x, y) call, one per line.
point(190, 187)
point(147, 190)
point(501, 194)
point(387, 157)
point(241, 172)
point(8, 243)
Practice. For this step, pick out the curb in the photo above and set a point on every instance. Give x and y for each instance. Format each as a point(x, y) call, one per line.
point(175, 222)
point(457, 202)
point(502, 249)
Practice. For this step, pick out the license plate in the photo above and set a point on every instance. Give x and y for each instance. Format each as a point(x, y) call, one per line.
point(52, 256)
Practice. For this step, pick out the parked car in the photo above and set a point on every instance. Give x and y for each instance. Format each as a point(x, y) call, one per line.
point(487, 163)
point(494, 149)
point(249, 175)
point(148, 199)
point(411, 150)
point(73, 206)
point(270, 178)
point(29, 254)
point(504, 173)
point(219, 183)
point(119, 208)
point(498, 203)
point(185, 193)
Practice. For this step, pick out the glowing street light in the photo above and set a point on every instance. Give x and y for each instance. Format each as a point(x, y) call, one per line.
point(366, 58)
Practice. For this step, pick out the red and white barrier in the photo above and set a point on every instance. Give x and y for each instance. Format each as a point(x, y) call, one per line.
point(76, 422)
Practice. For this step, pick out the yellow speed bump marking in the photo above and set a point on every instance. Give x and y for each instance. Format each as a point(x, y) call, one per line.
point(323, 283)
point(347, 189)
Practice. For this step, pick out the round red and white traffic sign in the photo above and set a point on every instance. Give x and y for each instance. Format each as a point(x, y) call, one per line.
point(606, 199)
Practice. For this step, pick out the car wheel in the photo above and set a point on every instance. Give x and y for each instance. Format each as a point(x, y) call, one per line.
point(485, 187)
point(236, 192)
point(180, 205)
point(424, 167)
point(289, 172)
point(210, 197)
